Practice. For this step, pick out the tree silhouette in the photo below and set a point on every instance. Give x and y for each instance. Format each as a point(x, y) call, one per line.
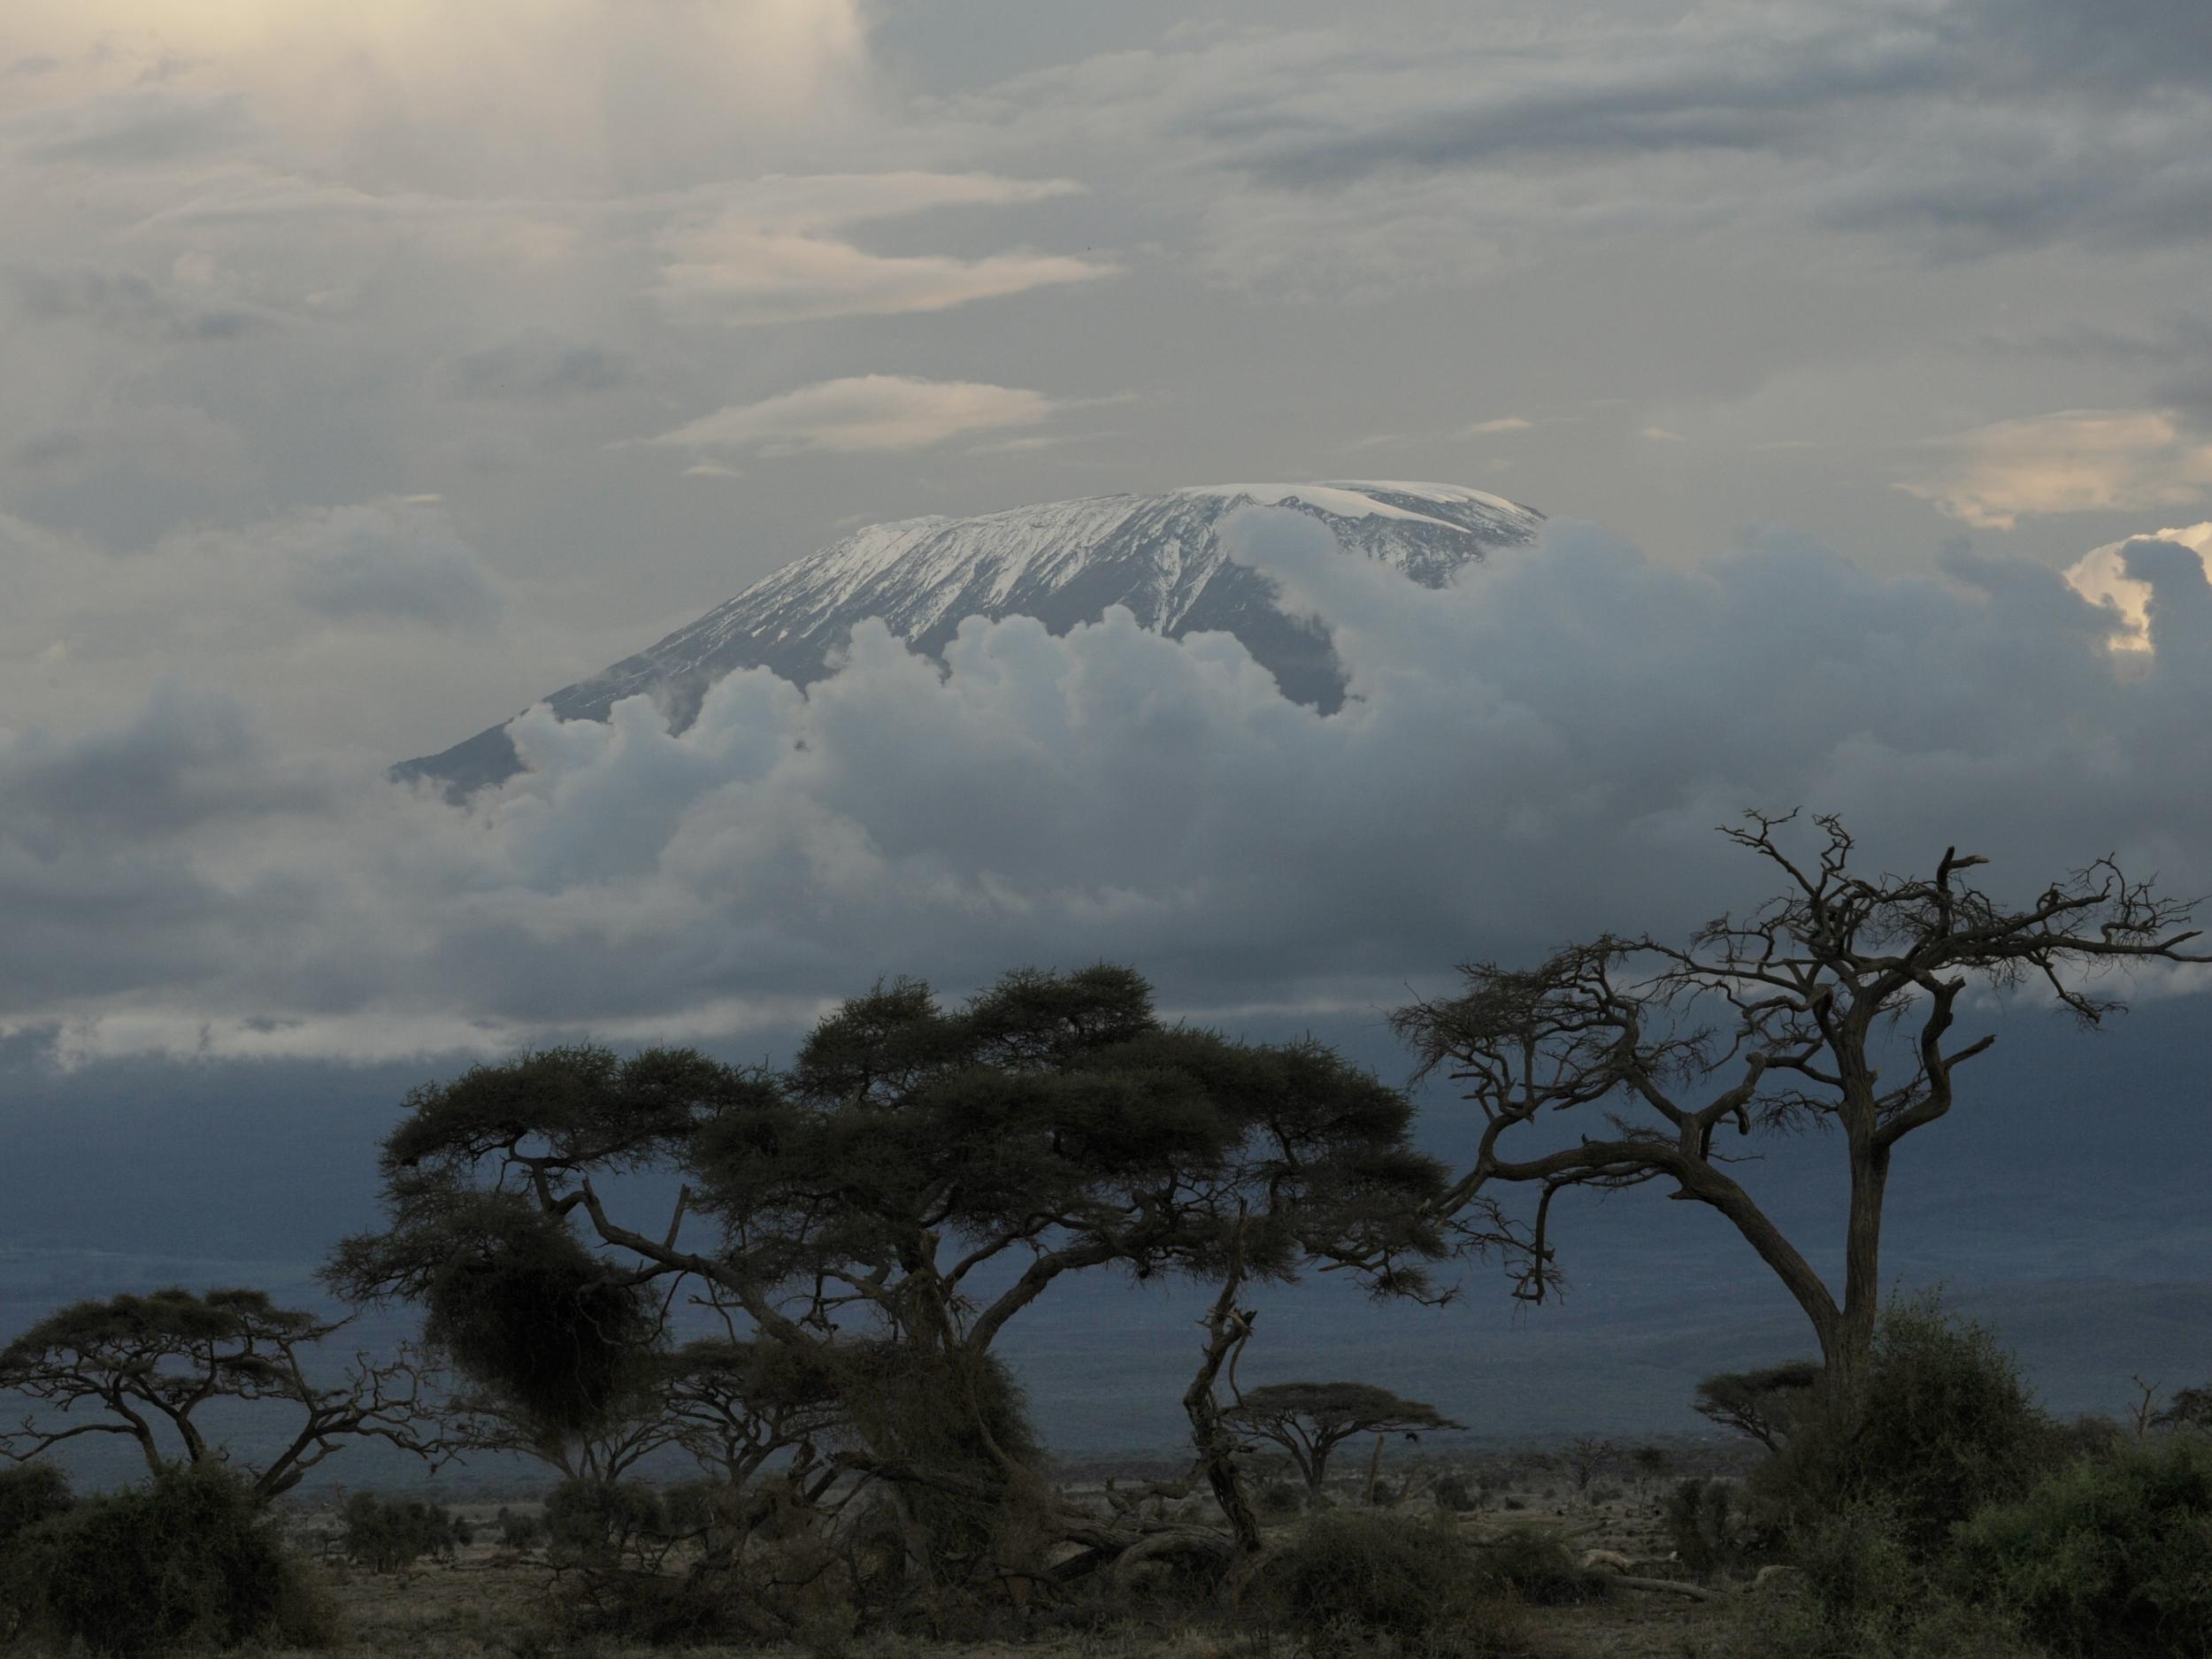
point(1831, 1005)
point(917, 1177)
point(1309, 1420)
point(146, 1365)
point(1766, 1404)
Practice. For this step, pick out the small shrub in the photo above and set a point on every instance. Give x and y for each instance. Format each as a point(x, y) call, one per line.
point(1454, 1496)
point(1535, 1566)
point(1706, 1528)
point(603, 1522)
point(1512, 1502)
point(520, 1531)
point(187, 1560)
point(1351, 1574)
point(1278, 1501)
point(2103, 1559)
point(387, 1534)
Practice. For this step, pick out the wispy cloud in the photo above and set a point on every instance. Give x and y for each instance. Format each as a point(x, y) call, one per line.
point(2077, 460)
point(860, 412)
point(770, 254)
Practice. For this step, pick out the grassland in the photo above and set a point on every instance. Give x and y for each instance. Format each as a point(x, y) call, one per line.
point(489, 1601)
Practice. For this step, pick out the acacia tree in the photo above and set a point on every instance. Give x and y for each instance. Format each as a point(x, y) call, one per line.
point(738, 1405)
point(1587, 1456)
point(1833, 1004)
point(1309, 1420)
point(884, 1208)
point(144, 1366)
point(2190, 1409)
point(1767, 1404)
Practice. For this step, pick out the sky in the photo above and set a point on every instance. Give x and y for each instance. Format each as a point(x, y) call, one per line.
point(370, 372)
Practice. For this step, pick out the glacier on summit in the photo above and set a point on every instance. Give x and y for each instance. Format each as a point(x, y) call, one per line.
point(1063, 563)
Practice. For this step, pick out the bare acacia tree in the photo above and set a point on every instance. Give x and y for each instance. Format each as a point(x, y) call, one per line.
point(1589, 1456)
point(143, 1367)
point(1831, 1005)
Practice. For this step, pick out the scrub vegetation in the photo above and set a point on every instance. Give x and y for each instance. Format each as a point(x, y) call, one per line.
point(859, 1230)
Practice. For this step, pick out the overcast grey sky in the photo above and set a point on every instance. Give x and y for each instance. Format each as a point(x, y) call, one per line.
point(371, 370)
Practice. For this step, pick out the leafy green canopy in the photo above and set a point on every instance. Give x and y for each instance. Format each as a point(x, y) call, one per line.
point(190, 1560)
point(2103, 1559)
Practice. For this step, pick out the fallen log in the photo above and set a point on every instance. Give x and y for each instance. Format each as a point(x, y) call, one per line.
point(1665, 1586)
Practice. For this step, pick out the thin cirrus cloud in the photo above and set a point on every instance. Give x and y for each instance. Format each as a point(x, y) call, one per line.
point(2077, 460)
point(771, 255)
point(1373, 159)
point(859, 414)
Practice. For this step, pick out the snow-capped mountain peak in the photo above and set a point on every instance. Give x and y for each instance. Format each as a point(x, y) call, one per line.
point(1063, 563)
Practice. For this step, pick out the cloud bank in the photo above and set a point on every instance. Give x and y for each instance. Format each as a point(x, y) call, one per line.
point(1534, 754)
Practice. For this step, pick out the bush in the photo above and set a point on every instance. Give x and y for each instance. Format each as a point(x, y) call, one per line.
point(386, 1534)
point(1535, 1566)
point(603, 1522)
point(1940, 1425)
point(1706, 1528)
point(187, 1560)
point(1278, 1501)
point(31, 1496)
point(1868, 1594)
point(1454, 1496)
point(1352, 1573)
point(2112, 1558)
point(518, 1530)
point(1865, 1494)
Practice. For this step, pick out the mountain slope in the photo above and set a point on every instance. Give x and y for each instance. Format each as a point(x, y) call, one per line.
point(1063, 563)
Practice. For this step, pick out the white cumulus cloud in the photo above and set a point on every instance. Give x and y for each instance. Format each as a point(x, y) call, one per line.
point(1538, 752)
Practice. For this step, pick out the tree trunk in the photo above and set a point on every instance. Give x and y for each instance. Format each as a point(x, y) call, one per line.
point(1862, 1269)
point(1226, 1331)
point(1316, 1470)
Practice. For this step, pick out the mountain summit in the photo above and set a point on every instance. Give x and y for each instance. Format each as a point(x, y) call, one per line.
point(1063, 563)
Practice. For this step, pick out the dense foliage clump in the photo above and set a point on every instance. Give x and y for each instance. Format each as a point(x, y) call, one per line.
point(189, 1560)
point(1348, 1574)
point(1707, 1527)
point(2109, 1560)
point(1939, 1424)
point(387, 1534)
